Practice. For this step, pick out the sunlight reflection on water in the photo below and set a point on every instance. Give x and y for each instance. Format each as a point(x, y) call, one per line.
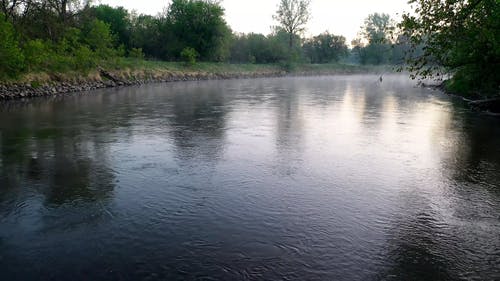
point(319, 178)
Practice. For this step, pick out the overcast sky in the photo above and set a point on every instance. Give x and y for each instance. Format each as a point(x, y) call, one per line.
point(341, 17)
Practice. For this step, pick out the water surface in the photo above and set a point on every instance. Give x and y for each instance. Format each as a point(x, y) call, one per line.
point(326, 178)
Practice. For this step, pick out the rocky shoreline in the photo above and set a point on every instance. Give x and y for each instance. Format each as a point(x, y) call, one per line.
point(108, 80)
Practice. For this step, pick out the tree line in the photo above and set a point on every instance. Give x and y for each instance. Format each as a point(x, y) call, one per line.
point(63, 35)
point(457, 38)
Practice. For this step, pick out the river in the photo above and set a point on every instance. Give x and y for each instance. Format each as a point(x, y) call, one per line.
point(317, 178)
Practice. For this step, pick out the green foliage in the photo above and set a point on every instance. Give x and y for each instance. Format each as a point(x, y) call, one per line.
point(118, 20)
point(37, 54)
point(61, 36)
point(375, 53)
point(146, 33)
point(70, 41)
point(258, 48)
point(461, 37)
point(36, 84)
point(325, 48)
point(11, 57)
point(99, 38)
point(197, 24)
point(281, 46)
point(189, 56)
point(289, 65)
point(84, 58)
point(136, 53)
point(54, 40)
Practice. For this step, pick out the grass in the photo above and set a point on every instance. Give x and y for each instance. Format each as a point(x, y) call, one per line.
point(211, 67)
point(208, 67)
point(127, 68)
point(344, 69)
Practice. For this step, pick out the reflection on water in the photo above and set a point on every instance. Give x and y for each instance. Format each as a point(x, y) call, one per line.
point(327, 178)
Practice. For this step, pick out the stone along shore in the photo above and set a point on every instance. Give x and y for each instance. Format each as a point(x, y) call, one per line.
point(107, 80)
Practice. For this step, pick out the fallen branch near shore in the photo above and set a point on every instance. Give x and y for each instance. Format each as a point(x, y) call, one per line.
point(490, 106)
point(108, 75)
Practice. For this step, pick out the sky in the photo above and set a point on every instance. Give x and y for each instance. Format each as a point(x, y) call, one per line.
point(340, 17)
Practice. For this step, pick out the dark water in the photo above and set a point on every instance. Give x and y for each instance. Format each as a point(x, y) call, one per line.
point(333, 178)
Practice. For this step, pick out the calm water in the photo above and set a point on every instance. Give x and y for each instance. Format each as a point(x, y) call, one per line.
point(329, 178)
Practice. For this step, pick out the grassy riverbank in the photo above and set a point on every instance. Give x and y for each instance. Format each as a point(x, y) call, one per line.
point(128, 72)
point(127, 69)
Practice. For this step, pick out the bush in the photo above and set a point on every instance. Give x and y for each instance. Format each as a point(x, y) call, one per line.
point(136, 53)
point(84, 58)
point(189, 56)
point(60, 63)
point(70, 41)
point(288, 65)
point(37, 54)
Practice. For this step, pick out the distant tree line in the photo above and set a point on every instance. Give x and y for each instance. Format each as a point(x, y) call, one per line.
point(64, 35)
point(379, 42)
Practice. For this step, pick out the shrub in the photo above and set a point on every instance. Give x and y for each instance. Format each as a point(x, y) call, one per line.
point(136, 53)
point(37, 54)
point(189, 56)
point(84, 58)
point(70, 41)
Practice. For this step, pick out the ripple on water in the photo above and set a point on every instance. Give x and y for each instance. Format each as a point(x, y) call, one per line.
point(318, 178)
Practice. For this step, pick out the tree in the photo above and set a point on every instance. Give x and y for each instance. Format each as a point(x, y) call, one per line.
point(280, 48)
point(11, 57)
point(258, 48)
point(118, 20)
point(42, 19)
point(292, 16)
point(250, 48)
point(377, 28)
point(325, 48)
point(461, 38)
point(99, 38)
point(146, 34)
point(376, 32)
point(63, 8)
point(199, 25)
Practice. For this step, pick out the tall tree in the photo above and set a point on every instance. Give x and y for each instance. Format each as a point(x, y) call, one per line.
point(377, 28)
point(118, 19)
point(461, 37)
point(293, 15)
point(146, 34)
point(197, 24)
point(376, 33)
point(99, 38)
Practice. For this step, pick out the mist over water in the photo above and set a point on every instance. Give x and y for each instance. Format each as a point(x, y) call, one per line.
point(318, 178)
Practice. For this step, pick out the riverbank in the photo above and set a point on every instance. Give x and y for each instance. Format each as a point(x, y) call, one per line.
point(486, 105)
point(134, 72)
